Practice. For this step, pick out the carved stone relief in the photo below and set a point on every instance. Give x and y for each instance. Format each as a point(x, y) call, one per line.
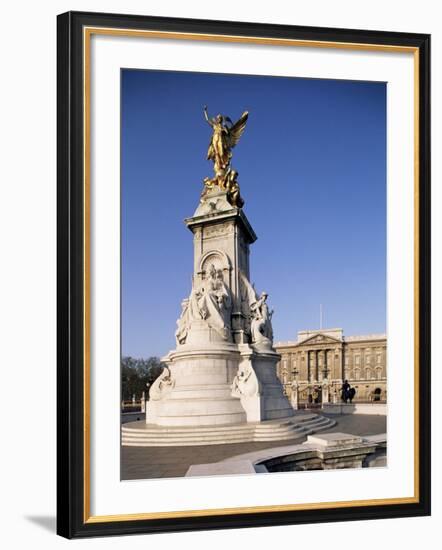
point(162, 385)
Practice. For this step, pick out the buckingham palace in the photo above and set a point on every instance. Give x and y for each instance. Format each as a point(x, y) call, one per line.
point(313, 368)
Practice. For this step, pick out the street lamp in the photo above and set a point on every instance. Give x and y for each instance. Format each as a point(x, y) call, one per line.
point(325, 387)
point(294, 396)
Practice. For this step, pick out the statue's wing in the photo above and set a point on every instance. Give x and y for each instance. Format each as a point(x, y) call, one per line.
point(248, 294)
point(236, 130)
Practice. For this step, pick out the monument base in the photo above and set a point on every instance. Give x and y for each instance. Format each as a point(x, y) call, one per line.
point(258, 386)
point(195, 389)
point(222, 384)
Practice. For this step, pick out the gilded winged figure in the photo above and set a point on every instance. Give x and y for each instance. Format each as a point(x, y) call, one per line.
point(225, 136)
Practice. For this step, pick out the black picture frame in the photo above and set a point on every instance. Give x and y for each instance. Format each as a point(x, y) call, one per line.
point(72, 517)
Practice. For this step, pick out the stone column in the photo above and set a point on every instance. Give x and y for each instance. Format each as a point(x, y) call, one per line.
point(325, 392)
point(335, 374)
point(340, 367)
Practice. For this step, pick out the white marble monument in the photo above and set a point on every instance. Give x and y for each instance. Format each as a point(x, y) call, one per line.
point(223, 369)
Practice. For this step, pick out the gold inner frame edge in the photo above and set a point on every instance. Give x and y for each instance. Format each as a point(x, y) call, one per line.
point(87, 34)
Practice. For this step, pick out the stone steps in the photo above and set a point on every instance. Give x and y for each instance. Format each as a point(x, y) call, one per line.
point(138, 434)
point(245, 428)
point(141, 427)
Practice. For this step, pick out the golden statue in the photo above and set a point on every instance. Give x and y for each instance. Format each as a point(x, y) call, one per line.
point(232, 188)
point(224, 138)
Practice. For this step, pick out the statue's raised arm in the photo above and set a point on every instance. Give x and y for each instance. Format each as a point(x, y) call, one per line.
point(206, 116)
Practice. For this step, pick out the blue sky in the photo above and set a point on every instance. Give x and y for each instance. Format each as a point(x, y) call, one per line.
point(312, 170)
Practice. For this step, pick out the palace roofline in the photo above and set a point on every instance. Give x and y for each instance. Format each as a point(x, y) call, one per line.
point(359, 338)
point(365, 337)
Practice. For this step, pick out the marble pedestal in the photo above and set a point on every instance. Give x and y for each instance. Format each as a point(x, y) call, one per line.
point(217, 383)
point(199, 393)
point(258, 386)
point(223, 370)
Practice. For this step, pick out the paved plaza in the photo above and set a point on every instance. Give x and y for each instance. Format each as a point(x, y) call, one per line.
point(164, 462)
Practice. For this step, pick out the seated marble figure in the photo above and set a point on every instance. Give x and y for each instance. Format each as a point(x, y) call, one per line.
point(210, 302)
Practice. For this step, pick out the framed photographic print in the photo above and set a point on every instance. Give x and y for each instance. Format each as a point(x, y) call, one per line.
point(243, 274)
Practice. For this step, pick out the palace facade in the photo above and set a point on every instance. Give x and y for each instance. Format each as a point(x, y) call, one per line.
point(312, 368)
